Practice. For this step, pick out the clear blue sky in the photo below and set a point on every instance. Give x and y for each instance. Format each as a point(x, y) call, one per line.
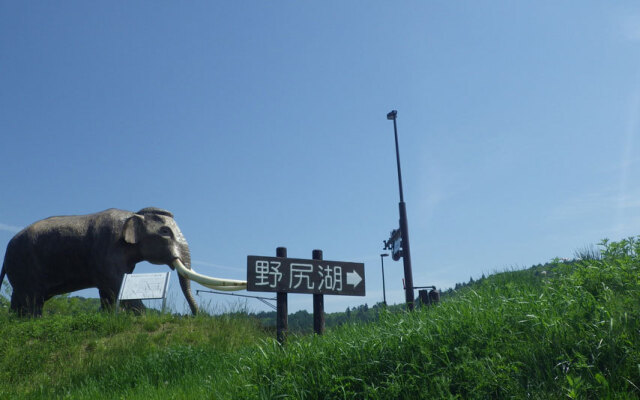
point(263, 124)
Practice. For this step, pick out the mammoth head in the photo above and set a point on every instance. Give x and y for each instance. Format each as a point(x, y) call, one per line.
point(159, 241)
point(157, 236)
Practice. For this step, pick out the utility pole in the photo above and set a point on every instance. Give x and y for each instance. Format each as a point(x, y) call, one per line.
point(404, 226)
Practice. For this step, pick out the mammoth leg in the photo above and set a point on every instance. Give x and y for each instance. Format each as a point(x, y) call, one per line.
point(38, 303)
point(108, 300)
point(27, 304)
point(135, 306)
point(110, 287)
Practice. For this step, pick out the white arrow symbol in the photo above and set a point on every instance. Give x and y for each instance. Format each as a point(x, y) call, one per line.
point(353, 278)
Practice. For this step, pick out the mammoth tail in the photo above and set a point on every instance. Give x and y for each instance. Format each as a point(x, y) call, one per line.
point(2, 273)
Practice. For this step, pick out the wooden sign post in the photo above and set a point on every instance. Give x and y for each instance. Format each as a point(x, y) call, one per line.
point(319, 277)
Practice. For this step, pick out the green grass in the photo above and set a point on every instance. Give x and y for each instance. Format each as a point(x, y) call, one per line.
point(98, 354)
point(570, 332)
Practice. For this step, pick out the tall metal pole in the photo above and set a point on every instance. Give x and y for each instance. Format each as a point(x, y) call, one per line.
point(384, 292)
point(404, 226)
point(393, 115)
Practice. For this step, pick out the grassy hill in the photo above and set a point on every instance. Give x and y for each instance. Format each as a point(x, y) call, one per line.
point(566, 330)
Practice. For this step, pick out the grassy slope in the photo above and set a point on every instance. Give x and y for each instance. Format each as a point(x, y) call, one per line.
point(571, 333)
point(96, 355)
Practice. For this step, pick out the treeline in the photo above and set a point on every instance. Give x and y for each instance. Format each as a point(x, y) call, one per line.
point(302, 321)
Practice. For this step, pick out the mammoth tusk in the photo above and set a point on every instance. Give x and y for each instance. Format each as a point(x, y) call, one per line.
point(213, 283)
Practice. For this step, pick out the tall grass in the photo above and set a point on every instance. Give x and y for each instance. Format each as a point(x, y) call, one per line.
point(570, 332)
point(573, 332)
point(109, 353)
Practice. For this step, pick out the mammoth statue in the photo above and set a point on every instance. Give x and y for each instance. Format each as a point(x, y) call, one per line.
point(64, 254)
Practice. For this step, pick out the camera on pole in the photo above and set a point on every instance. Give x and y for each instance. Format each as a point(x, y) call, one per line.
point(394, 243)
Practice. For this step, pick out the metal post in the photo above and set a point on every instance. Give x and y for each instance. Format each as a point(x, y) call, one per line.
point(384, 292)
point(166, 289)
point(282, 323)
point(318, 303)
point(404, 226)
point(393, 115)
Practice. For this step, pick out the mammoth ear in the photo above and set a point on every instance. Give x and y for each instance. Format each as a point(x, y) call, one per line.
point(132, 231)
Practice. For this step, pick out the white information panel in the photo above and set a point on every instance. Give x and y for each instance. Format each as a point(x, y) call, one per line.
point(144, 286)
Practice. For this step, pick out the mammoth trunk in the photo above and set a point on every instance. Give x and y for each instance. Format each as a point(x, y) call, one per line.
point(185, 284)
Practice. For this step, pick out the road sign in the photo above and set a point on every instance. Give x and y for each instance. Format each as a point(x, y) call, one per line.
point(293, 275)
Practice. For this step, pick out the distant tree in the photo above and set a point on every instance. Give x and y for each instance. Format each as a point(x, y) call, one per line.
point(300, 321)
